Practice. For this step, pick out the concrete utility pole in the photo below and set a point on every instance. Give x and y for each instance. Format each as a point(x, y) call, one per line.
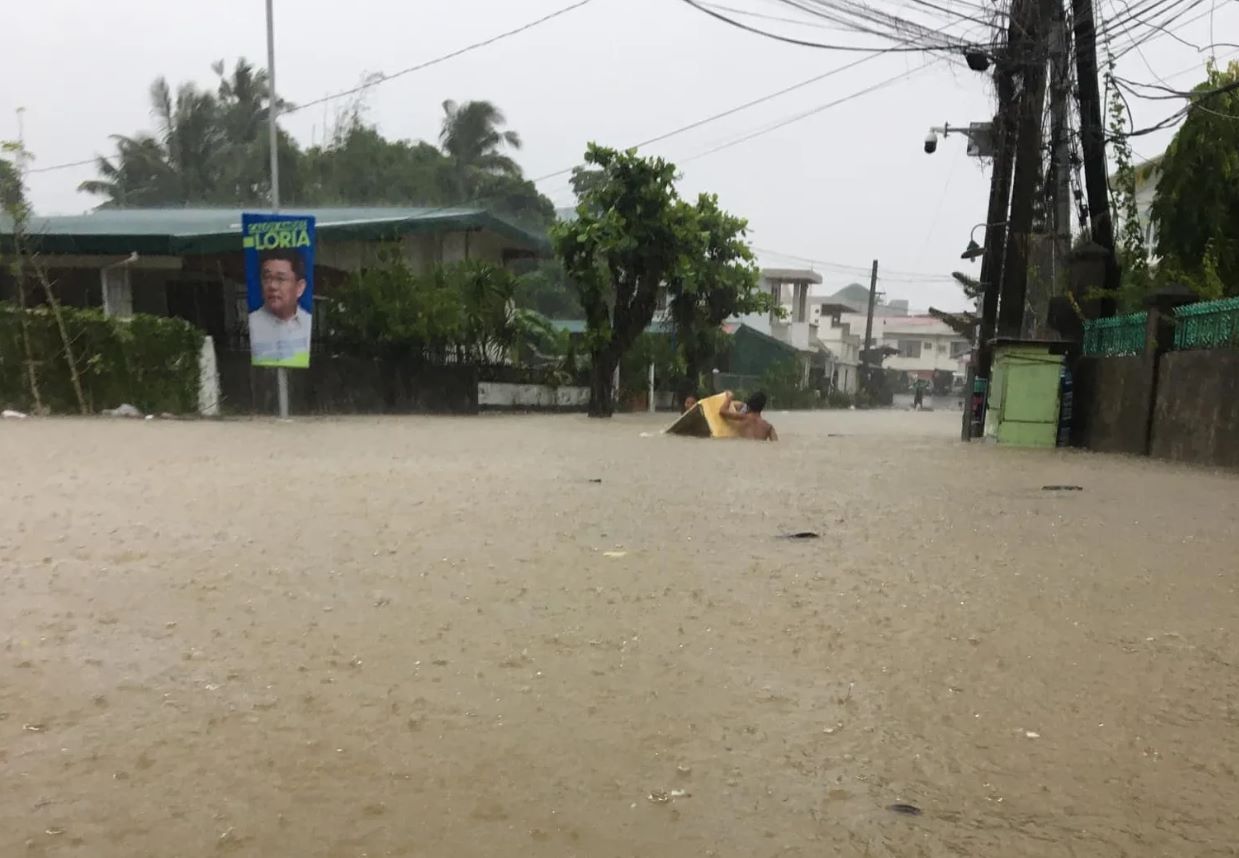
point(866, 353)
point(273, 112)
point(1093, 143)
point(1031, 60)
point(1060, 90)
point(996, 215)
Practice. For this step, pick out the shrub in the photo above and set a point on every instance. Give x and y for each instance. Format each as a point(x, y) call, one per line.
point(838, 399)
point(150, 362)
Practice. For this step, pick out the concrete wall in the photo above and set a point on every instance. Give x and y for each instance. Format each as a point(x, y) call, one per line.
point(508, 395)
point(208, 380)
point(340, 385)
point(1196, 416)
point(1110, 403)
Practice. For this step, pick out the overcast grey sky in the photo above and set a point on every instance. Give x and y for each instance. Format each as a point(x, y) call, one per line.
point(844, 186)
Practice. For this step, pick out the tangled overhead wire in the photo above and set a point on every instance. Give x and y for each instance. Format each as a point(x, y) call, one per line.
point(909, 35)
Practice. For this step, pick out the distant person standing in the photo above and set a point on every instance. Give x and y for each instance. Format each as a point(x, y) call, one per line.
point(918, 396)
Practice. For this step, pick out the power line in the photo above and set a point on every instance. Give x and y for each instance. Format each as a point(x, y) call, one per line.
point(374, 81)
point(1193, 104)
point(764, 17)
point(737, 109)
point(1155, 30)
point(63, 166)
point(807, 44)
point(805, 115)
point(1172, 93)
point(892, 276)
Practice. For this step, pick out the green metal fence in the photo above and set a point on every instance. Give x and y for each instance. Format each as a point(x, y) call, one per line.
point(1116, 335)
point(1207, 325)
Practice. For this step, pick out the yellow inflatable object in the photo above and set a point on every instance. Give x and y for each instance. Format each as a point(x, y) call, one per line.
point(704, 421)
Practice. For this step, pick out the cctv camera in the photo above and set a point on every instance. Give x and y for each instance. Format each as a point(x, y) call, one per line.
point(931, 143)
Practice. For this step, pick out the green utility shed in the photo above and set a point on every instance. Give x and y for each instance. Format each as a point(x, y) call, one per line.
point(1024, 394)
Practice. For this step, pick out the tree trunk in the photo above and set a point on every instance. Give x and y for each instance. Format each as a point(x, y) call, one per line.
point(32, 376)
point(692, 373)
point(601, 380)
point(54, 305)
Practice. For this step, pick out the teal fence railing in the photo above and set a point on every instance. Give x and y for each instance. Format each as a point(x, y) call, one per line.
point(1207, 325)
point(1115, 336)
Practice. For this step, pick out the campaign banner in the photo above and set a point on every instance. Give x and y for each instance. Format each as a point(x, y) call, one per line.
point(279, 278)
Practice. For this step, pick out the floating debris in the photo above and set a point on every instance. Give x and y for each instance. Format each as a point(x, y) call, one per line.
point(1062, 488)
point(802, 534)
point(662, 796)
point(906, 809)
point(1032, 735)
point(615, 554)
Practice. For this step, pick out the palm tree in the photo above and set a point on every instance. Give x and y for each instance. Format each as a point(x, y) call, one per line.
point(208, 147)
point(138, 175)
point(243, 107)
point(178, 164)
point(471, 139)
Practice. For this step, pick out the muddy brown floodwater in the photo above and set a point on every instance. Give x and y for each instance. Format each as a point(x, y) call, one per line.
point(444, 637)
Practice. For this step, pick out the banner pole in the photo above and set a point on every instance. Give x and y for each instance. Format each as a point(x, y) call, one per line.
point(273, 110)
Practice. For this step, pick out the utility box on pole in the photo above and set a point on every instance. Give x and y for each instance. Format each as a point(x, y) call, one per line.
point(1023, 407)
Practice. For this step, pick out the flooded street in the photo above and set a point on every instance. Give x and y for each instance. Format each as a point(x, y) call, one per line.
point(550, 636)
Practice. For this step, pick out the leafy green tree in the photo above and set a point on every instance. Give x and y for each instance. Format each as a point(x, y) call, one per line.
point(717, 279)
point(11, 196)
point(487, 308)
point(628, 238)
point(362, 167)
point(513, 198)
point(462, 313)
point(243, 166)
point(537, 342)
point(211, 147)
point(965, 322)
point(472, 140)
point(1196, 208)
point(545, 289)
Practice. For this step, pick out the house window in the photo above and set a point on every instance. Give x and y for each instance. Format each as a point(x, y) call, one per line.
point(958, 348)
point(910, 348)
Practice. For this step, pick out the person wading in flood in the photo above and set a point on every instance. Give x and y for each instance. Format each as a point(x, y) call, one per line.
point(748, 421)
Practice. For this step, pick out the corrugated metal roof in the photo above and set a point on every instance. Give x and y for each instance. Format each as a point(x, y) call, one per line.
point(173, 232)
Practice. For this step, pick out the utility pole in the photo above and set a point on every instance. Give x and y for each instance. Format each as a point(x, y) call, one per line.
point(1060, 185)
point(996, 218)
point(1093, 144)
point(867, 354)
point(1031, 59)
point(273, 112)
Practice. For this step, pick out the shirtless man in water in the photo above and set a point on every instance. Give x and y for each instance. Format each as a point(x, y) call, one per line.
point(748, 420)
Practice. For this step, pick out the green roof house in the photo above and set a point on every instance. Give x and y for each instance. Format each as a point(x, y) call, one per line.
point(187, 262)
